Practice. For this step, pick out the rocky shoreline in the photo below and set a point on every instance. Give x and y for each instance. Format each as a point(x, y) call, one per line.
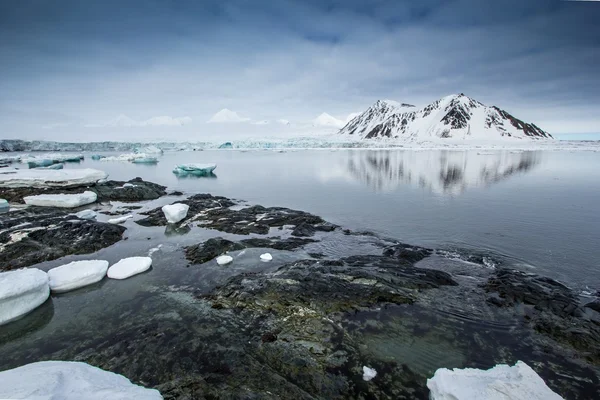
point(304, 329)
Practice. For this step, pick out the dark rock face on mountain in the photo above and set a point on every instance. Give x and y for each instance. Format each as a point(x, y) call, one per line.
point(133, 190)
point(456, 116)
point(215, 212)
point(35, 234)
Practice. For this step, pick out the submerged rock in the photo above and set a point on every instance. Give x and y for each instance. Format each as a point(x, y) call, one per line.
point(34, 235)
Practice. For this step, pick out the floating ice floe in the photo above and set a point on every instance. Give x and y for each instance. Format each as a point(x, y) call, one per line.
point(194, 169)
point(21, 291)
point(175, 212)
point(39, 163)
point(501, 382)
point(128, 267)
point(69, 380)
point(53, 166)
point(126, 157)
point(40, 178)
point(119, 220)
point(4, 204)
point(50, 158)
point(97, 157)
point(266, 257)
point(86, 214)
point(224, 260)
point(368, 373)
point(76, 274)
point(145, 160)
point(61, 200)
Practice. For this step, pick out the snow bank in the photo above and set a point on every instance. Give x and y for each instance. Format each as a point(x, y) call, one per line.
point(40, 178)
point(61, 200)
point(76, 274)
point(368, 373)
point(68, 380)
point(129, 266)
point(224, 260)
point(119, 220)
point(175, 212)
point(501, 382)
point(21, 291)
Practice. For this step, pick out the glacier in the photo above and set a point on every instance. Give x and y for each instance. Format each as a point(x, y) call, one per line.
point(69, 380)
point(21, 292)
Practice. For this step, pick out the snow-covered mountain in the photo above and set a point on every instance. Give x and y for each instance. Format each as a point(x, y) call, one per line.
point(328, 120)
point(226, 115)
point(452, 117)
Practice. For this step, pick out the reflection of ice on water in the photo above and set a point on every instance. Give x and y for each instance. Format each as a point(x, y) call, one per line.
point(445, 172)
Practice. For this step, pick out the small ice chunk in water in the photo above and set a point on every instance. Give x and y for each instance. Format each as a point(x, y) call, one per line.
point(368, 373)
point(128, 267)
point(86, 214)
point(119, 220)
point(69, 380)
point(266, 257)
point(76, 274)
point(3, 204)
point(224, 260)
point(21, 291)
point(498, 383)
point(194, 169)
point(61, 200)
point(175, 212)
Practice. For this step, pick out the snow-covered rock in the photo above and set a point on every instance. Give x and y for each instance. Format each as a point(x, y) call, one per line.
point(69, 380)
point(76, 274)
point(40, 178)
point(266, 257)
point(227, 116)
point(501, 382)
point(224, 260)
point(61, 200)
point(21, 291)
point(368, 373)
point(175, 212)
point(129, 266)
point(452, 117)
point(119, 220)
point(86, 214)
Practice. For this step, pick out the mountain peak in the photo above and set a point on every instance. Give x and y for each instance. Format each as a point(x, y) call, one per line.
point(327, 120)
point(226, 115)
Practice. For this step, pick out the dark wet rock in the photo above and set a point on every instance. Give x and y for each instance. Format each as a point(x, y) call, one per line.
point(176, 193)
point(318, 256)
point(34, 235)
point(210, 249)
point(214, 212)
point(594, 305)
point(215, 247)
point(407, 252)
point(550, 308)
point(106, 191)
point(304, 230)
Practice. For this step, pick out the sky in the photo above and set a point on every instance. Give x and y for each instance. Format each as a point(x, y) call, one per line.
point(98, 70)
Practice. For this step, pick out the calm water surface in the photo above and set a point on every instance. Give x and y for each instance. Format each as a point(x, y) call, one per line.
point(539, 209)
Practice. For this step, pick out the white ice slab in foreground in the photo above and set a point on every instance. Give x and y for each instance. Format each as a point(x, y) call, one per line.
point(501, 382)
point(67, 380)
point(61, 200)
point(76, 274)
point(129, 266)
point(21, 291)
point(40, 178)
point(175, 212)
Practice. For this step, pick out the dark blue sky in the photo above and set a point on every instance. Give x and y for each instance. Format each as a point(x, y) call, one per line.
point(68, 64)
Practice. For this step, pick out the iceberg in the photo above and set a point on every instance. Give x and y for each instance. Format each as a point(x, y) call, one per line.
point(119, 220)
point(266, 257)
point(41, 178)
point(175, 212)
point(501, 382)
point(21, 291)
point(226, 145)
point(69, 380)
point(145, 160)
point(53, 166)
point(76, 274)
point(97, 157)
point(194, 169)
point(39, 163)
point(61, 200)
point(128, 267)
point(4, 204)
point(86, 214)
point(224, 260)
